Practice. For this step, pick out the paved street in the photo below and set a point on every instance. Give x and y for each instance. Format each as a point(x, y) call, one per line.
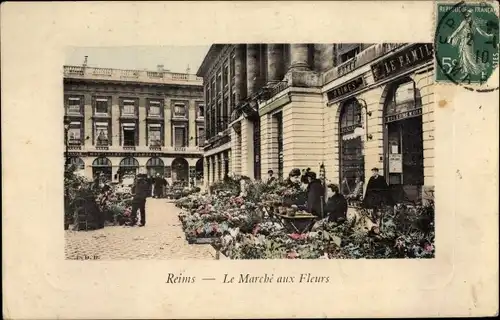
point(161, 238)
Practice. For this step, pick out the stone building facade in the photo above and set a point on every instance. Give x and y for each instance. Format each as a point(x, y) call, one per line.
point(348, 107)
point(119, 121)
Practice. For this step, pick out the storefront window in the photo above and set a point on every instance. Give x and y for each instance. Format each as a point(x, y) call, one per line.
point(404, 141)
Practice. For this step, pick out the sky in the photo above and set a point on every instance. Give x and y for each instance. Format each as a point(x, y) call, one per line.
point(173, 58)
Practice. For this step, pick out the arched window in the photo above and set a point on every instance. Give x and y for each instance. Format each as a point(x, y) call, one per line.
point(155, 166)
point(128, 166)
point(77, 162)
point(180, 170)
point(350, 146)
point(403, 139)
point(101, 166)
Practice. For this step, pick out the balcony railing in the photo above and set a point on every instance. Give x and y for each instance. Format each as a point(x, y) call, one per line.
point(129, 147)
point(131, 75)
point(180, 148)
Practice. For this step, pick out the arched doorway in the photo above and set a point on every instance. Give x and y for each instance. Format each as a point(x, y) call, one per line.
point(128, 167)
point(199, 170)
point(180, 170)
point(155, 165)
point(403, 141)
point(352, 161)
point(100, 166)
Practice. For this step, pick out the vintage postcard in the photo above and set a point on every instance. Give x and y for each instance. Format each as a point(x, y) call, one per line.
point(333, 159)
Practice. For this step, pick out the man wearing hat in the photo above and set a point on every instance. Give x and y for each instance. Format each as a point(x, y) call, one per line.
point(377, 194)
point(140, 190)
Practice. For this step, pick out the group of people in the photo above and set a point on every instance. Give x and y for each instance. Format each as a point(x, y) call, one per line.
point(333, 203)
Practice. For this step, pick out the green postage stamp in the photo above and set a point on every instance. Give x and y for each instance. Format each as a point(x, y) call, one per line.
point(466, 42)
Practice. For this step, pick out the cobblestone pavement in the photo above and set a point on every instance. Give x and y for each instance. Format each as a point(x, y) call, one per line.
point(161, 238)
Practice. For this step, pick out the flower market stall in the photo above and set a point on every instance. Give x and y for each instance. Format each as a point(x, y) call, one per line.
point(266, 221)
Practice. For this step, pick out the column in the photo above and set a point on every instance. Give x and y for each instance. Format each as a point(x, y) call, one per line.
point(205, 172)
point(274, 62)
point(299, 55)
point(87, 121)
point(236, 152)
point(240, 73)
point(210, 171)
point(247, 156)
point(253, 65)
point(142, 121)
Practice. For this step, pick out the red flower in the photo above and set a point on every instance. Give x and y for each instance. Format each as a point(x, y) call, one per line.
point(292, 255)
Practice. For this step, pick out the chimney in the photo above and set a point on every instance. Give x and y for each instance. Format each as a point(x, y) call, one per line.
point(159, 68)
point(85, 61)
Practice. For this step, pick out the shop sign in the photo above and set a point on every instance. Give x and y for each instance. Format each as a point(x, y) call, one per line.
point(137, 154)
point(396, 163)
point(346, 88)
point(404, 115)
point(402, 61)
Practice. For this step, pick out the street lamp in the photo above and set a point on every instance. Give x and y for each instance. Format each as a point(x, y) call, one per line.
point(364, 105)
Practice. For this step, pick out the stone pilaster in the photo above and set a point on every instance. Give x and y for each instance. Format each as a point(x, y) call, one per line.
point(115, 121)
point(191, 124)
point(168, 123)
point(253, 68)
point(275, 63)
point(142, 121)
point(299, 55)
point(89, 126)
point(240, 73)
point(266, 143)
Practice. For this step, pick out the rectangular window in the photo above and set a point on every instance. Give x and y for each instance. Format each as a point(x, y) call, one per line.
point(101, 134)
point(129, 134)
point(128, 107)
point(349, 55)
point(213, 90)
point(219, 82)
point(74, 133)
point(179, 136)
point(74, 105)
point(101, 106)
point(226, 75)
point(180, 110)
point(200, 112)
point(154, 108)
point(233, 67)
point(201, 136)
point(155, 135)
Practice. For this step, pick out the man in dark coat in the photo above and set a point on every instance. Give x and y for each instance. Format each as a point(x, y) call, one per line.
point(377, 194)
point(159, 183)
point(140, 191)
point(315, 191)
point(336, 206)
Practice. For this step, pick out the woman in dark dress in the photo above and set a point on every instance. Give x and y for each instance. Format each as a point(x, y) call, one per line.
point(336, 206)
point(315, 192)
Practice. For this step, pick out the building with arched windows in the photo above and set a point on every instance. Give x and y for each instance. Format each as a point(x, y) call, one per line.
point(348, 107)
point(121, 121)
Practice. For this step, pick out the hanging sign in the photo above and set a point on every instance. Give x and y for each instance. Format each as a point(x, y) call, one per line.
point(396, 163)
point(346, 88)
point(402, 60)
